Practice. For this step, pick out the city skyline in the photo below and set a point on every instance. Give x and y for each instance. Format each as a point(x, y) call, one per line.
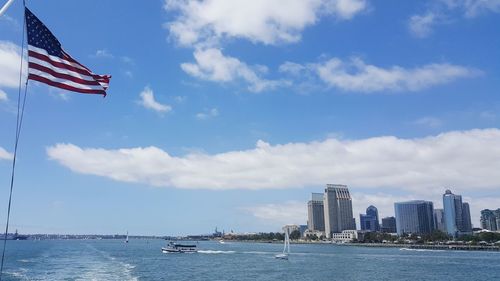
point(230, 113)
point(416, 216)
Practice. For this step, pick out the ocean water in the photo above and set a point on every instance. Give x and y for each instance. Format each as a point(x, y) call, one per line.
point(143, 260)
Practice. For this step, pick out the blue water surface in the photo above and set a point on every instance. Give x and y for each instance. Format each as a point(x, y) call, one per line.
point(143, 260)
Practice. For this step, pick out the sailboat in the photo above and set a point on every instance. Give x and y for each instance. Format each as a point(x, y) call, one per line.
point(126, 239)
point(286, 248)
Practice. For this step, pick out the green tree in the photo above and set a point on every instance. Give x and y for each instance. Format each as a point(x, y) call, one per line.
point(295, 235)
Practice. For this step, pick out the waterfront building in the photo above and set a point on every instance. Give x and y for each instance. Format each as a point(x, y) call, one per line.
point(457, 220)
point(290, 228)
point(345, 236)
point(338, 209)
point(369, 221)
point(316, 213)
point(389, 225)
point(414, 217)
point(439, 220)
point(490, 219)
point(311, 233)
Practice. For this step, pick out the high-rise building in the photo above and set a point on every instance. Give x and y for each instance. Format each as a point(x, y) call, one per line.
point(416, 217)
point(439, 220)
point(389, 225)
point(466, 220)
point(316, 213)
point(302, 229)
point(370, 220)
point(457, 220)
point(338, 209)
point(490, 219)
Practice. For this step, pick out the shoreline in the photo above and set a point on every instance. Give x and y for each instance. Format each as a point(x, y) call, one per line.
point(387, 245)
point(428, 247)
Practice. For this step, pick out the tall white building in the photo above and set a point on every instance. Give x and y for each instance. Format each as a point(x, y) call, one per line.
point(338, 209)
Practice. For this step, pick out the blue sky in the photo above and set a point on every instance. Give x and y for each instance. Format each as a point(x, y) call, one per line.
point(229, 113)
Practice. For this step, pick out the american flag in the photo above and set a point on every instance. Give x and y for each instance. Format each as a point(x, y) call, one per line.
point(50, 64)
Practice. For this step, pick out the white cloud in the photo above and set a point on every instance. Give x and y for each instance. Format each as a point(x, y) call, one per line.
point(421, 25)
point(292, 68)
point(10, 59)
point(5, 155)
point(473, 8)
point(476, 7)
point(212, 65)
point(127, 59)
point(356, 75)
point(3, 96)
point(128, 73)
point(149, 102)
point(180, 99)
point(207, 114)
point(291, 212)
point(203, 25)
point(263, 21)
point(10, 21)
point(428, 121)
point(461, 159)
point(103, 54)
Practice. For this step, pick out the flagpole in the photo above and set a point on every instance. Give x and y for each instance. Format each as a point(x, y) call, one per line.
point(5, 7)
point(19, 122)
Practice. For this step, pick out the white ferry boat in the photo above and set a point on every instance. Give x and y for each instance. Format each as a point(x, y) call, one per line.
point(179, 248)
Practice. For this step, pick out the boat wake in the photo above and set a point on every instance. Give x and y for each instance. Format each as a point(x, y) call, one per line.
point(215, 252)
point(420, 250)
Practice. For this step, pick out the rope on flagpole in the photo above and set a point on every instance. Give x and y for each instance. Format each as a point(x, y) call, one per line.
point(19, 122)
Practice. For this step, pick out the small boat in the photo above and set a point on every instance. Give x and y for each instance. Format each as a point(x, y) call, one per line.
point(179, 248)
point(126, 239)
point(222, 241)
point(286, 249)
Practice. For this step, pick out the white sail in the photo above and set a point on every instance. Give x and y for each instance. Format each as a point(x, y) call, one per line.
point(286, 247)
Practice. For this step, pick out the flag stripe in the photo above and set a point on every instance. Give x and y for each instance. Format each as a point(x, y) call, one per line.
point(63, 73)
point(71, 59)
point(44, 63)
point(71, 77)
point(68, 62)
point(55, 58)
point(64, 86)
point(64, 81)
point(57, 63)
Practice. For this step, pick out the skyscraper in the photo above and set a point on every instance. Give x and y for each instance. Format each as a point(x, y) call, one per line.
point(316, 213)
point(338, 209)
point(370, 220)
point(467, 224)
point(457, 220)
point(415, 216)
point(389, 225)
point(490, 220)
point(439, 220)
